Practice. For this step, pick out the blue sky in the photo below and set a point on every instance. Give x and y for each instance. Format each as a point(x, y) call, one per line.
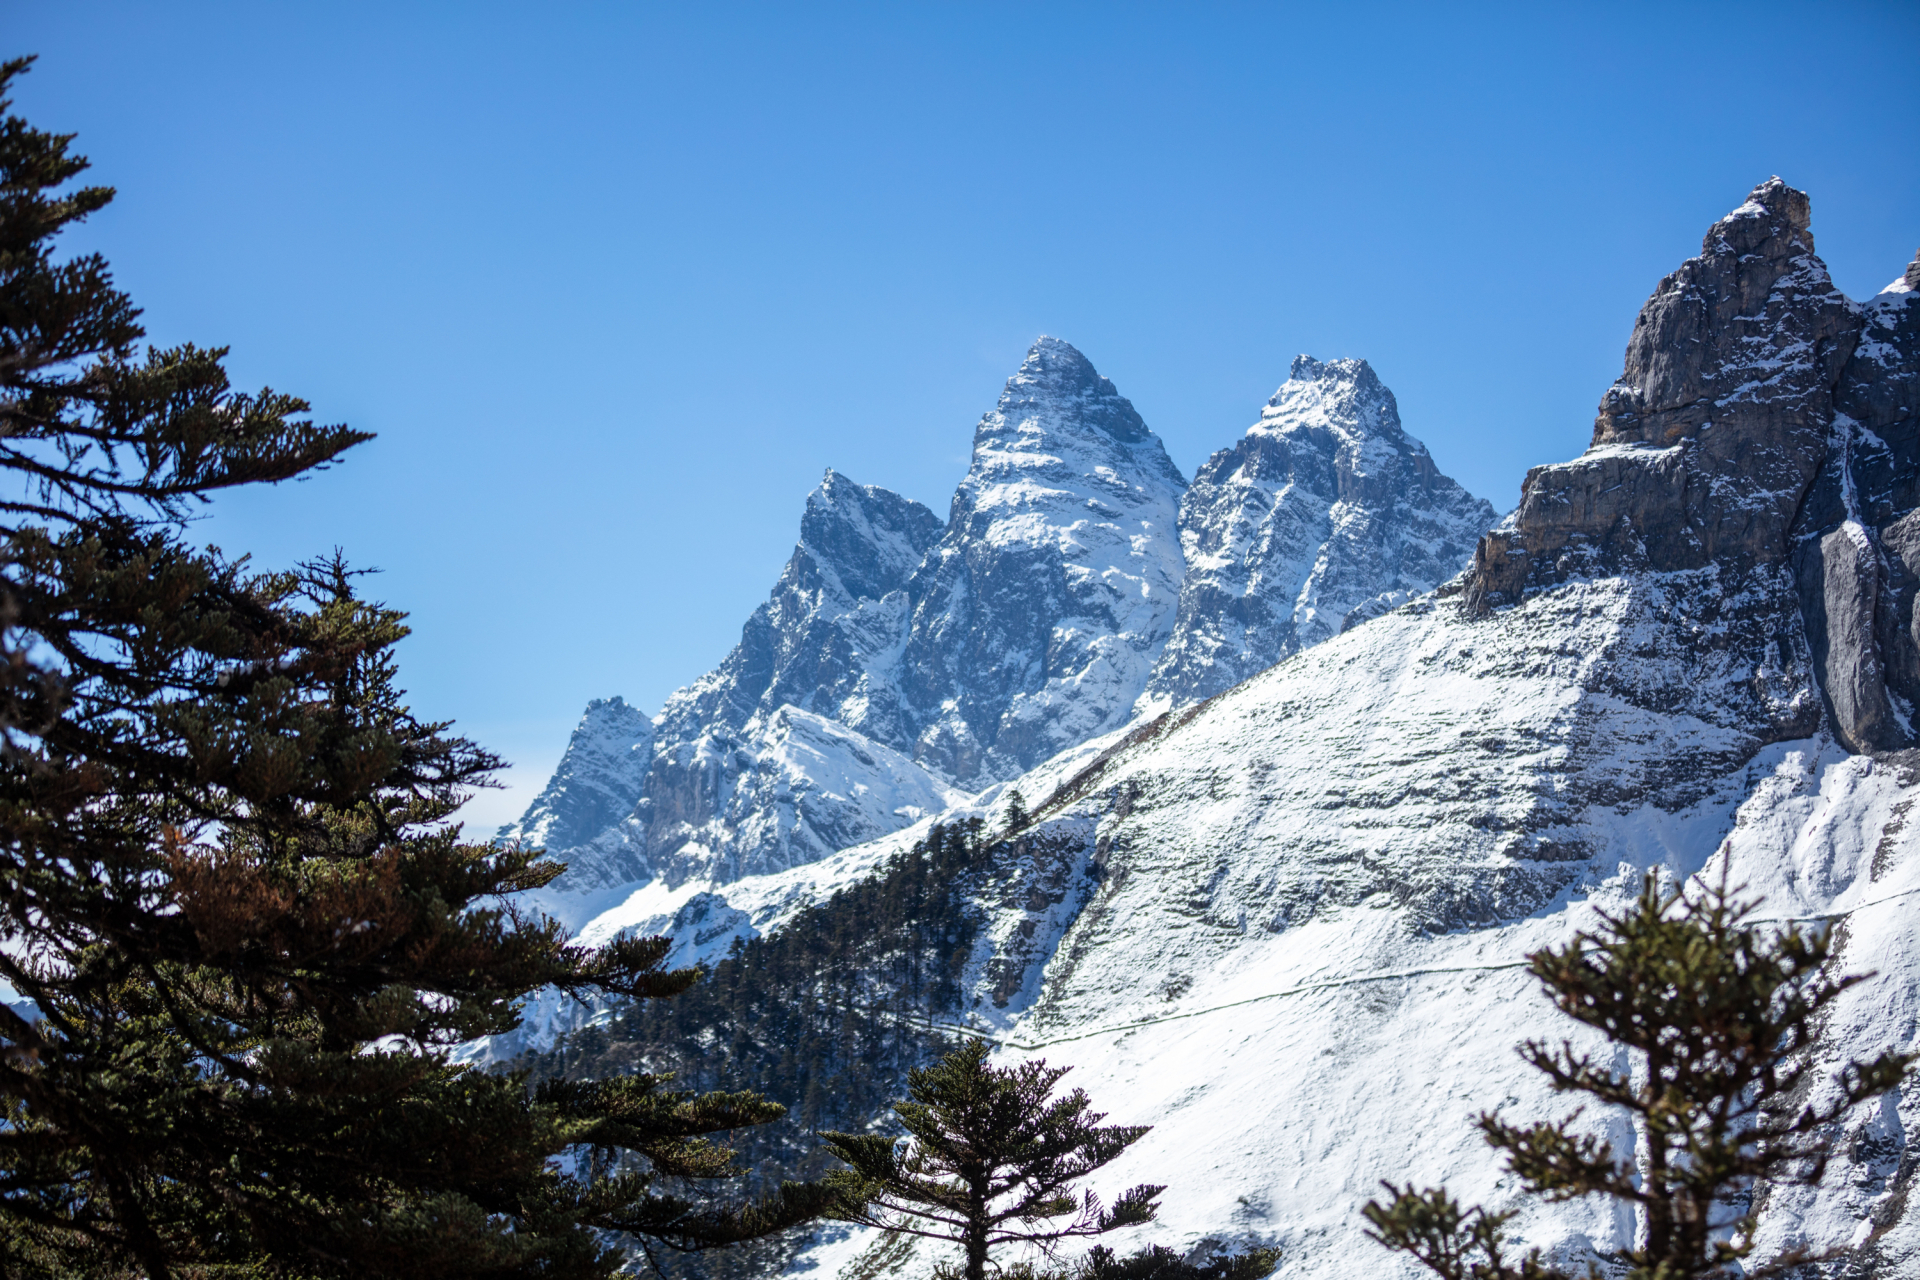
point(615, 283)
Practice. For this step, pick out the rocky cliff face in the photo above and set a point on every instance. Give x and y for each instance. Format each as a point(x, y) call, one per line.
point(1325, 514)
point(1761, 438)
point(1857, 537)
point(1039, 614)
point(1705, 447)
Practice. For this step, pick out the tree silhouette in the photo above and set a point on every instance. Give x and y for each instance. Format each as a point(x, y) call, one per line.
point(1718, 1019)
point(992, 1158)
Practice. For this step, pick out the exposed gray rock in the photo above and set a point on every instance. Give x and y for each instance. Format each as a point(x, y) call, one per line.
point(1841, 574)
point(1704, 448)
point(1899, 642)
point(598, 781)
point(1869, 484)
point(1703, 458)
point(1325, 514)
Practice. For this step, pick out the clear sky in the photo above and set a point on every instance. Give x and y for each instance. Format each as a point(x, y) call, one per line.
point(615, 283)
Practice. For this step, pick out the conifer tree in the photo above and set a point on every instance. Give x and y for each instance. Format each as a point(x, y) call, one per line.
point(1017, 815)
point(1718, 1019)
point(240, 927)
point(991, 1159)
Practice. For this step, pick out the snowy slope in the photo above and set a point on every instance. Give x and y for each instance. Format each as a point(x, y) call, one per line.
point(1326, 513)
point(1265, 971)
point(1247, 960)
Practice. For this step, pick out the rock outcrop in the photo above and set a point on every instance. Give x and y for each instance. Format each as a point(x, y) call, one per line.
point(1325, 514)
point(1857, 538)
point(1725, 452)
point(1705, 447)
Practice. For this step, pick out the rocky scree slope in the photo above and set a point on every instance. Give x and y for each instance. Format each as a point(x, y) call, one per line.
point(1286, 925)
point(1327, 513)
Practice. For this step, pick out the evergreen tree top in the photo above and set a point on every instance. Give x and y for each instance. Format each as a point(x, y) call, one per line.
point(246, 926)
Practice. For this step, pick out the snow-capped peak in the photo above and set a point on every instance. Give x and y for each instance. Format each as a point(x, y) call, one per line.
point(598, 781)
point(1326, 513)
point(1039, 613)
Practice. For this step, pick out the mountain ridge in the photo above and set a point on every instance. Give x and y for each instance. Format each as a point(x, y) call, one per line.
point(1038, 616)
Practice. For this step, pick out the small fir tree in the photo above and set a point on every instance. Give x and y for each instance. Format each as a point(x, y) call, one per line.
point(243, 928)
point(1718, 1019)
point(1017, 815)
point(991, 1159)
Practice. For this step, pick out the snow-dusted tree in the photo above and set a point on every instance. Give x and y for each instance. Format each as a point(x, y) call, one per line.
point(992, 1158)
point(1718, 1018)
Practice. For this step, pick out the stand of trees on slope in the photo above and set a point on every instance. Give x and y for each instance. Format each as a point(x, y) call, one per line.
point(827, 1015)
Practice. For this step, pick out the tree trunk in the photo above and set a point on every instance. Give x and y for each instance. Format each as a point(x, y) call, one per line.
point(978, 1224)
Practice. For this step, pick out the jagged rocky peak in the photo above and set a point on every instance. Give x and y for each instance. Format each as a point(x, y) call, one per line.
point(1039, 613)
point(1057, 395)
point(1704, 447)
point(1325, 514)
point(863, 540)
point(597, 783)
point(1762, 440)
point(824, 642)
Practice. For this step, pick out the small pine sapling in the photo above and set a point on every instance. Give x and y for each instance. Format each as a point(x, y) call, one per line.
point(1718, 1019)
point(991, 1159)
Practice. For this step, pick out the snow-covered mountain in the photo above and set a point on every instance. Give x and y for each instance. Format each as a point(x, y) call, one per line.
point(1325, 514)
point(1286, 926)
point(1039, 613)
point(897, 660)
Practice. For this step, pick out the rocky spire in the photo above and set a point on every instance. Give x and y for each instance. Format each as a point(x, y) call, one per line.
point(1704, 447)
point(1038, 615)
point(1324, 514)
